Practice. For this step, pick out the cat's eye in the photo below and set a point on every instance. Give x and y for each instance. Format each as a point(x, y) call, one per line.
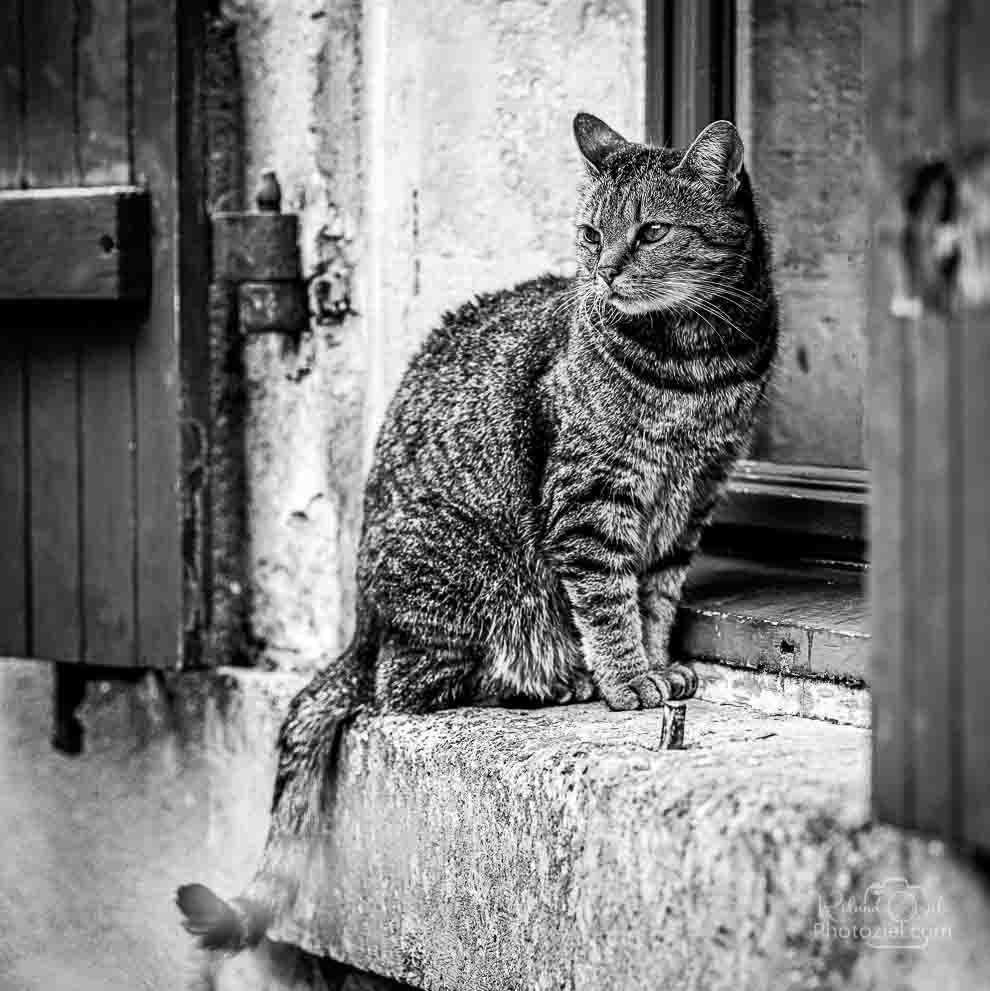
point(589, 235)
point(651, 233)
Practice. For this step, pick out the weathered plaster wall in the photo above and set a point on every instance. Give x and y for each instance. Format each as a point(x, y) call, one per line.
point(430, 145)
point(302, 67)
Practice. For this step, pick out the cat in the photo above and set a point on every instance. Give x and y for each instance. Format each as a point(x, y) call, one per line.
point(541, 481)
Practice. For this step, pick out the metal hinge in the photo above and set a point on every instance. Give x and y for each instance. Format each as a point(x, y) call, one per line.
point(257, 253)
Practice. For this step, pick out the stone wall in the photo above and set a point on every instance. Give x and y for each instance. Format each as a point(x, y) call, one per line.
point(427, 148)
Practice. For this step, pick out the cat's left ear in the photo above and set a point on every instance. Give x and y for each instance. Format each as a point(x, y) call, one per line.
point(596, 141)
point(714, 158)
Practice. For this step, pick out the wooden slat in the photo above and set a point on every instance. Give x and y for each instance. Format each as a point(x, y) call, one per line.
point(14, 639)
point(11, 125)
point(74, 243)
point(692, 69)
point(108, 510)
point(193, 329)
point(53, 363)
point(893, 778)
point(659, 23)
point(932, 570)
point(104, 145)
point(49, 61)
point(157, 399)
point(929, 622)
point(701, 77)
point(973, 692)
point(973, 688)
point(57, 631)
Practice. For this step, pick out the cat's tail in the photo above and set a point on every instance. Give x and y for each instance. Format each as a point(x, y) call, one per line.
point(302, 805)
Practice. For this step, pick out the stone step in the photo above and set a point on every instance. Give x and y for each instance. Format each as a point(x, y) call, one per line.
point(563, 849)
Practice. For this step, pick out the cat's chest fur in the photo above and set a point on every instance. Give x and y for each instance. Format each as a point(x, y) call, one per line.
point(649, 450)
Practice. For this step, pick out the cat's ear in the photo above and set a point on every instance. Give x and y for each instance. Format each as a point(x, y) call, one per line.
point(714, 158)
point(596, 141)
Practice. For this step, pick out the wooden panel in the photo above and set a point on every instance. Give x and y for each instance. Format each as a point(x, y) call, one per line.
point(108, 510)
point(690, 67)
point(973, 687)
point(115, 518)
point(102, 92)
point(14, 640)
point(49, 73)
point(193, 256)
point(691, 63)
point(102, 238)
point(930, 323)
point(11, 125)
point(157, 399)
point(929, 339)
point(893, 776)
point(57, 632)
point(973, 690)
point(659, 50)
point(53, 363)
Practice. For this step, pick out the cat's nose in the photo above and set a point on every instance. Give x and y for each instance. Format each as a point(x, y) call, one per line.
point(607, 273)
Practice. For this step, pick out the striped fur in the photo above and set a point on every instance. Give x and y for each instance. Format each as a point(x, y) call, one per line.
point(543, 475)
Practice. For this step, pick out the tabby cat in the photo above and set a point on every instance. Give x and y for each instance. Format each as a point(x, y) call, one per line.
point(541, 481)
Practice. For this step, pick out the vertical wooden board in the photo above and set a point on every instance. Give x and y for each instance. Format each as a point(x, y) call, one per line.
point(108, 493)
point(102, 92)
point(892, 772)
point(931, 654)
point(53, 363)
point(50, 101)
point(691, 69)
point(11, 125)
point(57, 631)
point(930, 648)
point(14, 639)
point(973, 724)
point(156, 391)
point(658, 71)
point(971, 721)
point(194, 334)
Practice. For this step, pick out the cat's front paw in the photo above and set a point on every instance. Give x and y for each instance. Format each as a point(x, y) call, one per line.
point(652, 688)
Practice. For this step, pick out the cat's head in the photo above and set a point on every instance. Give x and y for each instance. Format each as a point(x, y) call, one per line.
point(661, 229)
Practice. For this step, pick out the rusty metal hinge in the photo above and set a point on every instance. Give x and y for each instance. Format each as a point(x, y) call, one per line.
point(258, 253)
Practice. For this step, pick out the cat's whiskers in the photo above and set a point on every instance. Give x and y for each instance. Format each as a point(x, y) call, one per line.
point(691, 290)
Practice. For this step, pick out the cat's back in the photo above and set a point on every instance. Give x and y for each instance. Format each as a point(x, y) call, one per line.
point(466, 404)
point(491, 335)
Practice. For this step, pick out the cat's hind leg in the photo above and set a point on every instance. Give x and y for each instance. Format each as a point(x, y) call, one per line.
point(428, 669)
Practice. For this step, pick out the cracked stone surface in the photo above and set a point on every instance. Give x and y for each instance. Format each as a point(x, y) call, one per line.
point(477, 850)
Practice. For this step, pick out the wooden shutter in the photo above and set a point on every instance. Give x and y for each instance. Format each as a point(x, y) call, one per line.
point(929, 325)
point(102, 347)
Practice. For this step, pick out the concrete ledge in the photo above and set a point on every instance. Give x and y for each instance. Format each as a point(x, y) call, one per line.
point(560, 849)
point(479, 850)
